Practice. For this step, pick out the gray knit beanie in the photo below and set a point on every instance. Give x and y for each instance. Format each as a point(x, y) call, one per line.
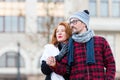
point(83, 16)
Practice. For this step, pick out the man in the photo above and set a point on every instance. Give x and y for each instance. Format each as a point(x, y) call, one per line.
point(90, 57)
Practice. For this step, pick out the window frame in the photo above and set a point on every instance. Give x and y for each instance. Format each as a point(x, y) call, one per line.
point(20, 27)
point(14, 56)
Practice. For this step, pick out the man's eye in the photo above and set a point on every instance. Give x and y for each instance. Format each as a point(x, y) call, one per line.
point(72, 21)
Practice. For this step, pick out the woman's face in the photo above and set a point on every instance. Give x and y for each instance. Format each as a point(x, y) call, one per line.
point(61, 34)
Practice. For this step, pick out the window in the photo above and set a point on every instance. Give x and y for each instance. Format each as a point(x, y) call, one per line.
point(12, 24)
point(41, 22)
point(104, 8)
point(1, 0)
point(13, 0)
point(116, 8)
point(57, 0)
point(21, 27)
point(52, 21)
point(56, 22)
point(50, 0)
point(1, 24)
point(9, 59)
point(92, 7)
point(42, 0)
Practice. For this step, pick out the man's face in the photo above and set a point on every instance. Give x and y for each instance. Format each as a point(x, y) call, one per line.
point(77, 25)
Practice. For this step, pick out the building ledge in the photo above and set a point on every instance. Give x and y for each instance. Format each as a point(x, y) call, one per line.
point(105, 24)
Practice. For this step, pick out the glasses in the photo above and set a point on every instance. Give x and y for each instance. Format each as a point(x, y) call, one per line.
point(73, 22)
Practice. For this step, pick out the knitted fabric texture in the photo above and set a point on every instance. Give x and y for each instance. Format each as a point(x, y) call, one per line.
point(81, 15)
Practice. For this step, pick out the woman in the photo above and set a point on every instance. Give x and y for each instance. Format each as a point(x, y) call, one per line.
point(60, 37)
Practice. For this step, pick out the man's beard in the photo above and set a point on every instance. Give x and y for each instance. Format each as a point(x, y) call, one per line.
point(74, 31)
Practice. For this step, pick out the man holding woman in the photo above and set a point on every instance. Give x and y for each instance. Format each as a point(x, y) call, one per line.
point(89, 57)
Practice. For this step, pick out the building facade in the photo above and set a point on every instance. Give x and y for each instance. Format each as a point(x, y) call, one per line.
point(26, 25)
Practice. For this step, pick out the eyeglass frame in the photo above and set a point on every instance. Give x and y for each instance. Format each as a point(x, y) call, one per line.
point(74, 22)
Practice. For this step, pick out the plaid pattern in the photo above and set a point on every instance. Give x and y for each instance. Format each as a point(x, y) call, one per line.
point(103, 69)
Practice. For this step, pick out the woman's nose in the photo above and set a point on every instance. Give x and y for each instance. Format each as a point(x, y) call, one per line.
point(59, 33)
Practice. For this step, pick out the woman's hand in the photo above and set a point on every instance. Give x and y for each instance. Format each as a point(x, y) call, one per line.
point(51, 61)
